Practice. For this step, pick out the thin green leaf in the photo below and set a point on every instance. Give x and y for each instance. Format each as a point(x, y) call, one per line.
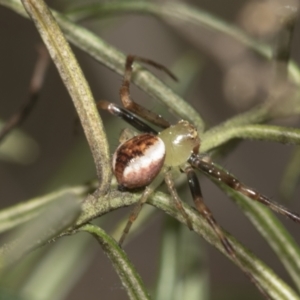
point(272, 133)
point(126, 271)
point(22, 212)
point(291, 176)
point(167, 277)
point(195, 282)
point(55, 218)
point(182, 272)
point(178, 12)
point(46, 282)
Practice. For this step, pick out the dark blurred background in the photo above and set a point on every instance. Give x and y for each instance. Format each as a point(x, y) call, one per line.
point(51, 126)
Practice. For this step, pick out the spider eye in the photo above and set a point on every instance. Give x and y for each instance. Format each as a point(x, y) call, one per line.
point(138, 161)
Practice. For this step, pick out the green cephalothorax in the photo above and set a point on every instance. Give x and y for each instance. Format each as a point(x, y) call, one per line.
point(181, 140)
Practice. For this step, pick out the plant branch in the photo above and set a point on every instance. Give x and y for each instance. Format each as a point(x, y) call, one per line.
point(130, 278)
point(76, 84)
point(115, 60)
point(283, 135)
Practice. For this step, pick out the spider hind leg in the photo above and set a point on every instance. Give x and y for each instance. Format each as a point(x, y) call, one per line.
point(206, 213)
point(134, 214)
point(138, 207)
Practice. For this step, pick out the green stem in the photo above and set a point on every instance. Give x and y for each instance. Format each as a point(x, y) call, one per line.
point(20, 213)
point(131, 280)
point(278, 134)
point(76, 84)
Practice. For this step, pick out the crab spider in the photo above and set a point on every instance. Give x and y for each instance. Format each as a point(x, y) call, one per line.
point(150, 158)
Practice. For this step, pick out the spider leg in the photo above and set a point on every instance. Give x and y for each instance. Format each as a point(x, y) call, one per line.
point(172, 190)
point(126, 115)
point(134, 214)
point(138, 207)
point(206, 213)
point(134, 107)
point(214, 171)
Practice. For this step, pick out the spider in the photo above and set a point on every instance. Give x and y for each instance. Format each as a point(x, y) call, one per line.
point(151, 158)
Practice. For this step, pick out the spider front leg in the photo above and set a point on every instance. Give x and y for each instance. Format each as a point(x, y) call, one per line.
point(133, 110)
point(134, 107)
point(125, 115)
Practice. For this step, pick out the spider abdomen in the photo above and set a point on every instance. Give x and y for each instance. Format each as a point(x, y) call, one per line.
point(138, 161)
